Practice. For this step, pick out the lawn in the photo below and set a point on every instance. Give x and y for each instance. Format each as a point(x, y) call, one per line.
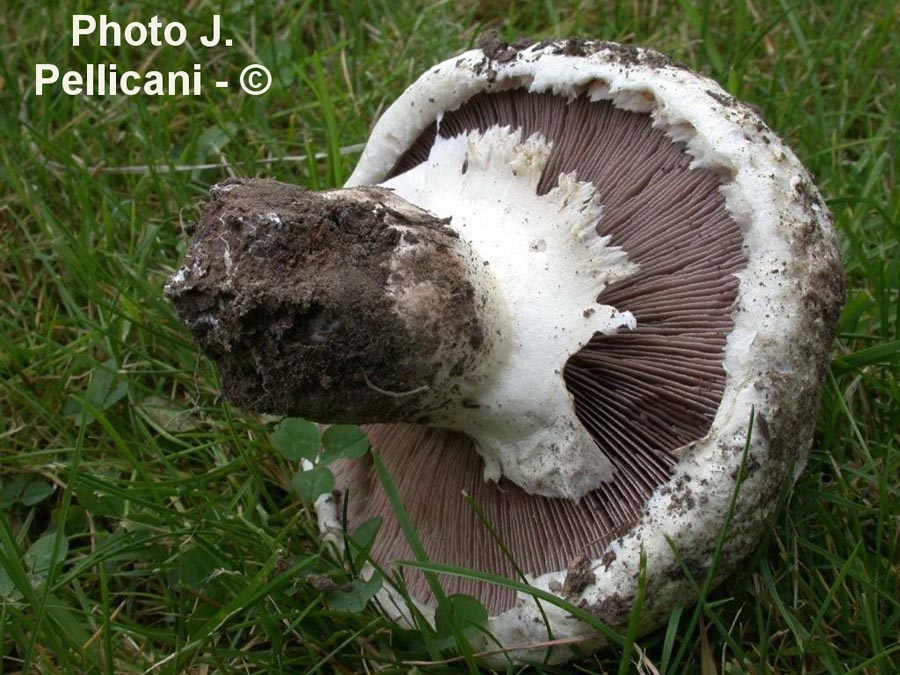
point(147, 526)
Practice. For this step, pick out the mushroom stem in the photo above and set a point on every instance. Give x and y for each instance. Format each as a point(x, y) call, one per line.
point(341, 306)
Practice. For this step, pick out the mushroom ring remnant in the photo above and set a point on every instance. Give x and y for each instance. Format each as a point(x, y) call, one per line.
point(561, 281)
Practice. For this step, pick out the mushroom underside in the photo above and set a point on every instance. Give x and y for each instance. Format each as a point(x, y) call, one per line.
point(643, 394)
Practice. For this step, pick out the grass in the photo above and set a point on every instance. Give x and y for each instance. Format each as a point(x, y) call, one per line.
point(146, 526)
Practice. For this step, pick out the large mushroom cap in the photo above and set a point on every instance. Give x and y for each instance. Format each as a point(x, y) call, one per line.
point(584, 270)
point(736, 296)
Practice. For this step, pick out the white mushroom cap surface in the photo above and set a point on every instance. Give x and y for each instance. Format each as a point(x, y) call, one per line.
point(788, 295)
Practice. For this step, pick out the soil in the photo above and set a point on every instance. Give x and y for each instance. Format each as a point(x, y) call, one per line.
point(497, 50)
point(579, 576)
point(286, 290)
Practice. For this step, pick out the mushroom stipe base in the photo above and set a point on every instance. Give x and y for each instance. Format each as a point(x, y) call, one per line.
point(285, 289)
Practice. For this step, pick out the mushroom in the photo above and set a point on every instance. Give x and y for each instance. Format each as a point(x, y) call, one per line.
point(562, 280)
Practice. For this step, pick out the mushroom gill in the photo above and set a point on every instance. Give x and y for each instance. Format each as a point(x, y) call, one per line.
point(642, 394)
